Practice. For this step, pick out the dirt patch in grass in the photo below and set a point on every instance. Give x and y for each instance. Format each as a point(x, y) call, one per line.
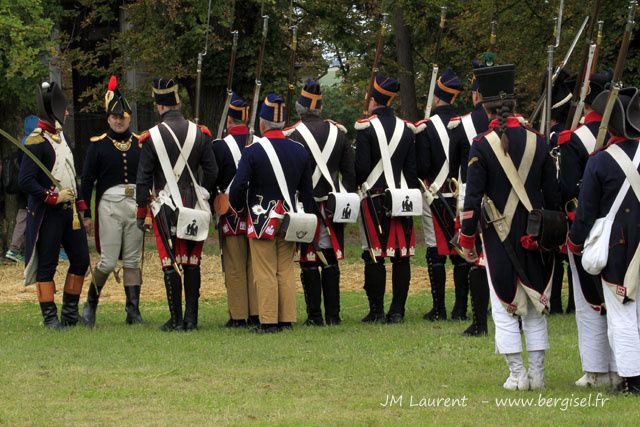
point(12, 289)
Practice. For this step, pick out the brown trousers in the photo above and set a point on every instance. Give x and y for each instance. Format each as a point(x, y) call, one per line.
point(273, 273)
point(242, 297)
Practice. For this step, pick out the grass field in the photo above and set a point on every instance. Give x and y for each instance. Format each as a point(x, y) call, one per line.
point(119, 375)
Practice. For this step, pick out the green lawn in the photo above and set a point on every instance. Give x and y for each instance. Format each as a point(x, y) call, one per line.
point(119, 375)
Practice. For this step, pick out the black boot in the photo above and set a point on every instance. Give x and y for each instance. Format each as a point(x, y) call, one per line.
point(50, 316)
point(132, 305)
point(191, 296)
point(400, 280)
point(235, 323)
point(312, 286)
point(437, 277)
point(331, 294)
point(95, 289)
point(253, 320)
point(173, 286)
point(629, 385)
point(69, 315)
point(90, 307)
point(374, 283)
point(479, 287)
point(461, 283)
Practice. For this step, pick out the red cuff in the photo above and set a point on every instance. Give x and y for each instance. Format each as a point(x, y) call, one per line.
point(81, 205)
point(141, 213)
point(528, 242)
point(576, 249)
point(51, 197)
point(571, 216)
point(467, 242)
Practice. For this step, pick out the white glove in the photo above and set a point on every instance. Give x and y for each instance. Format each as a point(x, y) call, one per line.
point(65, 195)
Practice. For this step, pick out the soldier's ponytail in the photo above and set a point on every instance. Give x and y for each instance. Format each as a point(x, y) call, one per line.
point(501, 110)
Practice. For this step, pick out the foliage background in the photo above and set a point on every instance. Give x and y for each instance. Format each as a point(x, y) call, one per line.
point(85, 41)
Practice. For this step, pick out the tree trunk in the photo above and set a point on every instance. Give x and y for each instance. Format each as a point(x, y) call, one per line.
point(404, 51)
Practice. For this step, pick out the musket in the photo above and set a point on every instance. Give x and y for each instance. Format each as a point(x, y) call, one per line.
point(549, 92)
point(232, 64)
point(493, 39)
point(585, 88)
point(376, 59)
point(291, 86)
point(558, 69)
point(595, 13)
point(201, 55)
point(558, 27)
point(617, 74)
point(598, 44)
point(33, 157)
point(258, 84)
point(434, 69)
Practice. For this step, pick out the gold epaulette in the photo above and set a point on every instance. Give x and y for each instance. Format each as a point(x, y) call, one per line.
point(97, 137)
point(35, 137)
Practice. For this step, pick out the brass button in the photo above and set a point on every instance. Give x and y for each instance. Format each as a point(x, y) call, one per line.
point(124, 154)
point(125, 161)
point(627, 210)
point(126, 181)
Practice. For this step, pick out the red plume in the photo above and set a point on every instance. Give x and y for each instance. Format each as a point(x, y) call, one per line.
point(113, 83)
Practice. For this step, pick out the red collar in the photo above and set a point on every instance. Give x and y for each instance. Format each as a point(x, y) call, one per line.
point(46, 126)
point(592, 117)
point(274, 134)
point(616, 140)
point(512, 122)
point(239, 130)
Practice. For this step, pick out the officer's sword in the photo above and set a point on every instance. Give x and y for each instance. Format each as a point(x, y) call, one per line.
point(32, 156)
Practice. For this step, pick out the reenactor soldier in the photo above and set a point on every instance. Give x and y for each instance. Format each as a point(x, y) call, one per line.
point(439, 159)
point(242, 298)
point(111, 167)
point(53, 211)
point(561, 97)
point(256, 189)
point(463, 131)
point(610, 191)
point(385, 236)
point(510, 172)
point(187, 148)
point(576, 147)
point(320, 273)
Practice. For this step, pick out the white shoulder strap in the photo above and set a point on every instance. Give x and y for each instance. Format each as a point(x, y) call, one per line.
point(587, 138)
point(378, 168)
point(233, 148)
point(321, 157)
point(441, 130)
point(186, 148)
point(630, 170)
point(509, 168)
point(191, 136)
point(165, 164)
point(277, 170)
point(469, 128)
point(385, 154)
